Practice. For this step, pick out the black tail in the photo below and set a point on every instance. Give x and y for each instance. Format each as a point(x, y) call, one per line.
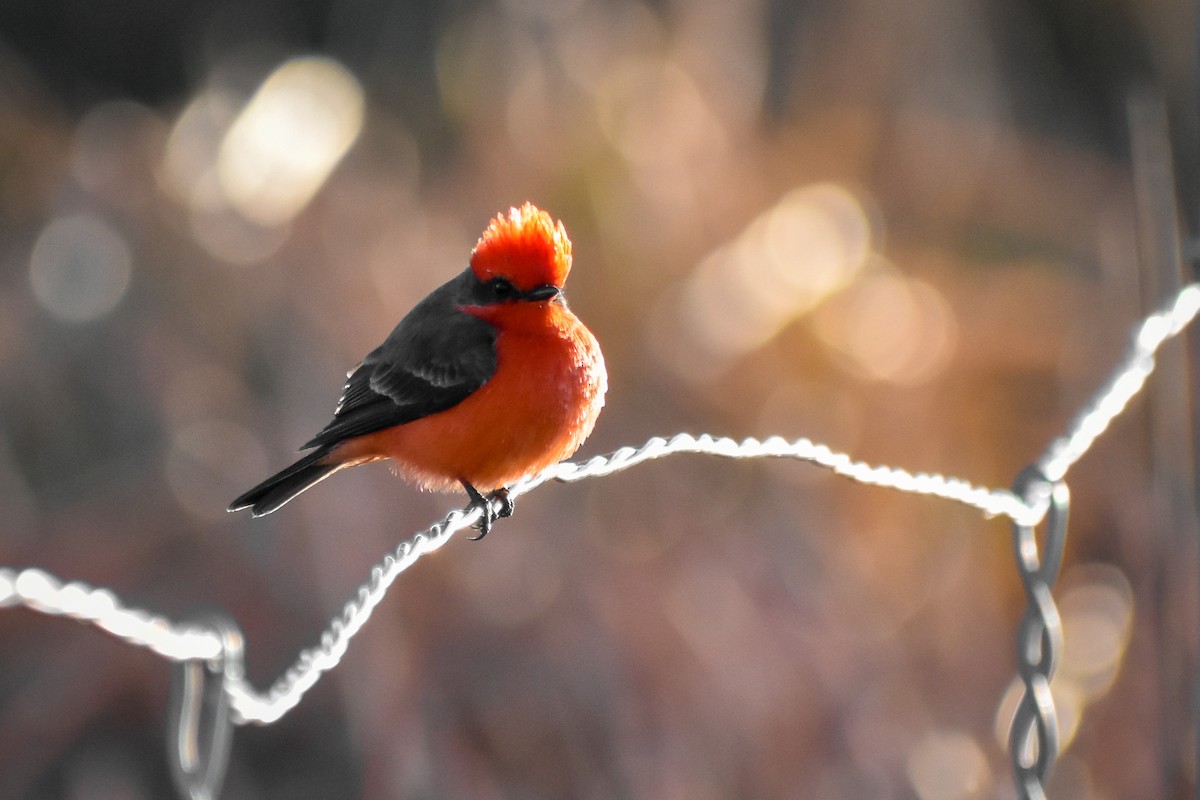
point(278, 489)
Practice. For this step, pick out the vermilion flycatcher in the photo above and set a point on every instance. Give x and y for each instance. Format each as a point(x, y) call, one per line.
point(487, 380)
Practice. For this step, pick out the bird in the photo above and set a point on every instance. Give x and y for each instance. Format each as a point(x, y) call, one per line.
point(488, 379)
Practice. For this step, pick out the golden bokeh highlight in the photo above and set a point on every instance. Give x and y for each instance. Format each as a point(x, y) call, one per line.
point(243, 168)
point(948, 765)
point(288, 138)
point(889, 328)
point(787, 261)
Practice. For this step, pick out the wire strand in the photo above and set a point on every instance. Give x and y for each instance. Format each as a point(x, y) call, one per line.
point(286, 692)
point(1123, 385)
point(42, 592)
point(992, 502)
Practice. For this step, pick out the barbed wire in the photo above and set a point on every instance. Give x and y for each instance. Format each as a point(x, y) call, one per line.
point(218, 645)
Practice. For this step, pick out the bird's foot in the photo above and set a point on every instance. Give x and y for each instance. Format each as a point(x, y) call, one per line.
point(488, 512)
point(507, 504)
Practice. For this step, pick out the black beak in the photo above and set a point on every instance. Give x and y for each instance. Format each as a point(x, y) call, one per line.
point(544, 292)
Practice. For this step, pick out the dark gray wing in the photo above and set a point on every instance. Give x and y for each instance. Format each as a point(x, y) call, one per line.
point(432, 361)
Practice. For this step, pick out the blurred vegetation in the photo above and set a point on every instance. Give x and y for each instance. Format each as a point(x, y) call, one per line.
point(905, 230)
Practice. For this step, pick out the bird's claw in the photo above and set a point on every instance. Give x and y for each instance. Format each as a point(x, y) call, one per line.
point(488, 512)
point(507, 504)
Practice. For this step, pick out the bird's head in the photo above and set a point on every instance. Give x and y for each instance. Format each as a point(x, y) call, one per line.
point(526, 248)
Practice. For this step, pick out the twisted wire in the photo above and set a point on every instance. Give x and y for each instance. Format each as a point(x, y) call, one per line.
point(1035, 733)
point(264, 708)
point(41, 591)
point(1123, 385)
point(992, 502)
point(1033, 736)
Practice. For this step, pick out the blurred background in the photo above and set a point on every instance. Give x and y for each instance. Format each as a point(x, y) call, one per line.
point(906, 230)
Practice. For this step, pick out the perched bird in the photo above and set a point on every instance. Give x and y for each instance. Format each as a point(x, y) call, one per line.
point(489, 379)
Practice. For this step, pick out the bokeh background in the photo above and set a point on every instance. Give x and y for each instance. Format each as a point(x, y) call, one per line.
point(903, 229)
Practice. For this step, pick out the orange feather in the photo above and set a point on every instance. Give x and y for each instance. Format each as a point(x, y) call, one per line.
point(489, 379)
